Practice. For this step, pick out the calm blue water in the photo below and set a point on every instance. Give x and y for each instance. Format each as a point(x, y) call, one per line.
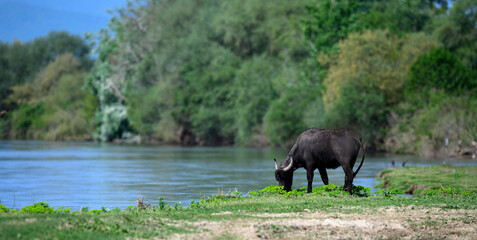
point(99, 175)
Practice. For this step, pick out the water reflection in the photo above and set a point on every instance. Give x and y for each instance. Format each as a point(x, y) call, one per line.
point(96, 175)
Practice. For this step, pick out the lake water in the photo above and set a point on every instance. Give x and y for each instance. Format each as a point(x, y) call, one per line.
point(98, 175)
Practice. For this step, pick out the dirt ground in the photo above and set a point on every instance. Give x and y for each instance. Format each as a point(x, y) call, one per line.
point(387, 223)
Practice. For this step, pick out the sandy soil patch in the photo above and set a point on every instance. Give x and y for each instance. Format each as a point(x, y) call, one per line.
point(387, 223)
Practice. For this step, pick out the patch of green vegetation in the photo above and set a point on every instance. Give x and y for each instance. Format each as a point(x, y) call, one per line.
point(432, 180)
point(43, 207)
point(40, 207)
point(4, 209)
point(329, 190)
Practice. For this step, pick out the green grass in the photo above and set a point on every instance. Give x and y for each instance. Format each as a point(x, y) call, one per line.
point(148, 223)
point(158, 220)
point(431, 180)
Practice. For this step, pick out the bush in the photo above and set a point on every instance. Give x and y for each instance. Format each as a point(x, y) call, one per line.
point(149, 113)
point(26, 118)
point(360, 108)
point(4, 209)
point(422, 126)
point(54, 106)
point(389, 194)
point(440, 69)
point(43, 207)
point(254, 85)
point(114, 123)
point(284, 120)
point(373, 58)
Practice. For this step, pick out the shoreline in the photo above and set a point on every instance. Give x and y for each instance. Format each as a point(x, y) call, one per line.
point(165, 144)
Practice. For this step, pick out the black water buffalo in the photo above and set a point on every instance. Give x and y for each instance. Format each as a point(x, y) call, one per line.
point(321, 148)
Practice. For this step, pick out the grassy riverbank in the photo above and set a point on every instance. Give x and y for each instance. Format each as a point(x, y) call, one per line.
point(433, 179)
point(327, 213)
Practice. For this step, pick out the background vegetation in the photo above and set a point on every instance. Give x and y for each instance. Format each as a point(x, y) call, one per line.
point(256, 73)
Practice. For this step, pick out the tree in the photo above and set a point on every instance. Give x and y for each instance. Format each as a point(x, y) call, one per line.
point(402, 16)
point(440, 69)
point(53, 106)
point(365, 79)
point(181, 71)
point(285, 118)
point(45, 80)
point(457, 31)
point(362, 108)
point(20, 62)
point(377, 58)
point(6, 76)
point(255, 89)
point(250, 28)
point(331, 21)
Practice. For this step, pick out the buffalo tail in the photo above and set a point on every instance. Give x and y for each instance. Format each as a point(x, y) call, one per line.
point(362, 159)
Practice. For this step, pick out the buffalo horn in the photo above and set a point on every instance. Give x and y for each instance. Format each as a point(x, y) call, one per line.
point(289, 165)
point(276, 166)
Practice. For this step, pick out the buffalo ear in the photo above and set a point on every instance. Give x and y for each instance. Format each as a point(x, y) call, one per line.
point(276, 165)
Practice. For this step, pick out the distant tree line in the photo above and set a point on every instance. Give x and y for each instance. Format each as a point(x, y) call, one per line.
point(253, 73)
point(41, 87)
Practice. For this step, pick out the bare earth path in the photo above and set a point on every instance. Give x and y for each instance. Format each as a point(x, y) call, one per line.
point(386, 223)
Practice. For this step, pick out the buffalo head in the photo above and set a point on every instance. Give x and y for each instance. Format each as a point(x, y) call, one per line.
point(284, 175)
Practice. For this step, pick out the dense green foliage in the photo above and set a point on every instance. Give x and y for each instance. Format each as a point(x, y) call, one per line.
point(41, 84)
point(53, 105)
point(457, 32)
point(253, 73)
point(440, 69)
point(201, 73)
point(20, 62)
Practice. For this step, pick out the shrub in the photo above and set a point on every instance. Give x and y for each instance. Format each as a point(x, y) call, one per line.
point(40, 207)
point(423, 125)
point(440, 69)
point(361, 108)
point(27, 118)
point(284, 120)
point(43, 207)
point(4, 209)
point(373, 58)
point(389, 194)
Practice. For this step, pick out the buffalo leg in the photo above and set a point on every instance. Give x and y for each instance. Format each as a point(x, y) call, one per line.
point(348, 179)
point(309, 176)
point(324, 175)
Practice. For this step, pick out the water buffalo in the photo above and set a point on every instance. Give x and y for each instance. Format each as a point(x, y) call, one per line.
point(321, 148)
